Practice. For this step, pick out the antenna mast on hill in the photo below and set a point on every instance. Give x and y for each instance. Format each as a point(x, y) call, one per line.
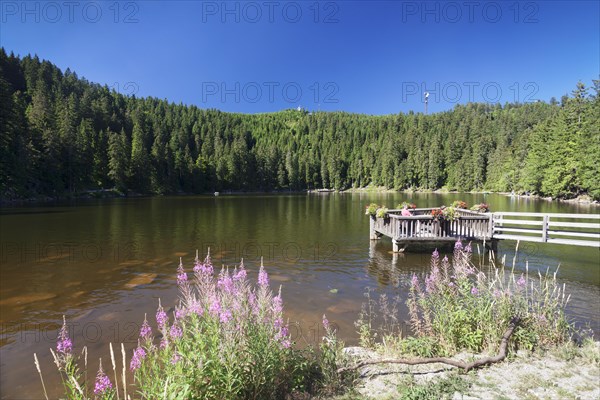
point(426, 101)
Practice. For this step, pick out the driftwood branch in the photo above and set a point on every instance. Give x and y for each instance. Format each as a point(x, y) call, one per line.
point(455, 363)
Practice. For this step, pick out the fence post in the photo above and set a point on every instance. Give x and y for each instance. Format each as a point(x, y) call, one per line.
point(545, 220)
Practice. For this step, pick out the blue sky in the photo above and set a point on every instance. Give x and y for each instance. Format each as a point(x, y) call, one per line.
point(374, 57)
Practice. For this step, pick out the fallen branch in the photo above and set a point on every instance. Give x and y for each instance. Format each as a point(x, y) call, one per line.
point(455, 363)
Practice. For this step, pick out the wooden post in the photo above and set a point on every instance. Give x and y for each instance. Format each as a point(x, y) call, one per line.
point(545, 220)
point(491, 226)
point(395, 247)
point(372, 233)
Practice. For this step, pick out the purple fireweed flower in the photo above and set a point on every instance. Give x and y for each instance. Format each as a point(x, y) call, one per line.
point(145, 330)
point(181, 274)
point(521, 283)
point(197, 267)
point(429, 284)
point(205, 267)
point(161, 317)
point(468, 248)
point(176, 357)
point(474, 291)
point(263, 278)
point(433, 279)
point(215, 307)
point(253, 303)
point(414, 281)
point(451, 284)
point(196, 307)
point(136, 361)
point(325, 322)
point(225, 316)
point(225, 283)
point(497, 293)
point(196, 260)
point(164, 342)
point(64, 344)
point(175, 332)
point(277, 304)
point(458, 245)
point(278, 323)
point(240, 275)
point(435, 254)
point(180, 312)
point(102, 384)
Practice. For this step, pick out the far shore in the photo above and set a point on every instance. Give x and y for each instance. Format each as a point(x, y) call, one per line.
point(113, 193)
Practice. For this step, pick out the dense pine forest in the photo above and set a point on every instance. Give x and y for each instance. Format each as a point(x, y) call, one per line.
point(62, 135)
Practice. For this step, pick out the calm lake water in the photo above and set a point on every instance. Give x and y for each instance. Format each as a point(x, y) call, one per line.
point(104, 263)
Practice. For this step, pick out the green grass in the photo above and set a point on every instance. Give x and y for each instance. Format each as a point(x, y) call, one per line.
point(441, 388)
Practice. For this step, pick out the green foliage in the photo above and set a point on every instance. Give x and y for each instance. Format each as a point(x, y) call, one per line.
point(61, 134)
point(331, 357)
point(458, 306)
point(443, 388)
point(381, 212)
point(481, 207)
point(459, 204)
point(371, 209)
point(462, 307)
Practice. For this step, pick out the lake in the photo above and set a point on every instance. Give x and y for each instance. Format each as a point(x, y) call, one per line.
point(104, 263)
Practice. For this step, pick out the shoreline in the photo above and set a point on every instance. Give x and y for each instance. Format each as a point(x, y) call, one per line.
point(581, 199)
point(114, 194)
point(549, 374)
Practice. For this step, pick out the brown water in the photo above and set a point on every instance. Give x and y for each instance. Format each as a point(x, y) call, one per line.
point(104, 263)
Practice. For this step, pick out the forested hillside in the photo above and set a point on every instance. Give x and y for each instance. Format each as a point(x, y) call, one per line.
point(61, 134)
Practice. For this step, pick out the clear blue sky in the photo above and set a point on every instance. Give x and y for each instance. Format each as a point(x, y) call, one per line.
point(375, 57)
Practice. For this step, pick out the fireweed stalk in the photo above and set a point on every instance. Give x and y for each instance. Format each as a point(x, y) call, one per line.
point(67, 363)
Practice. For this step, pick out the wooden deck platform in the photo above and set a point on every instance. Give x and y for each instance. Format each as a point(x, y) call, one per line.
point(423, 228)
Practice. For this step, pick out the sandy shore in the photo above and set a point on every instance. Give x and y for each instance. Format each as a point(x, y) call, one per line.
point(555, 375)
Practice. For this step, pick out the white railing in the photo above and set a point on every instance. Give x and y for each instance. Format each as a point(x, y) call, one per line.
point(571, 229)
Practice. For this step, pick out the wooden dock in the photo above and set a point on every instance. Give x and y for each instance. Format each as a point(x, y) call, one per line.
point(422, 227)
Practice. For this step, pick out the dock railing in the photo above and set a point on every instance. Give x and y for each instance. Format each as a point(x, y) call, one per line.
point(572, 229)
point(557, 228)
point(423, 226)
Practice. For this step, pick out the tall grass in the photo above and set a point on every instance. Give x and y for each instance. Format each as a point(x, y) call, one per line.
point(459, 306)
point(226, 339)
